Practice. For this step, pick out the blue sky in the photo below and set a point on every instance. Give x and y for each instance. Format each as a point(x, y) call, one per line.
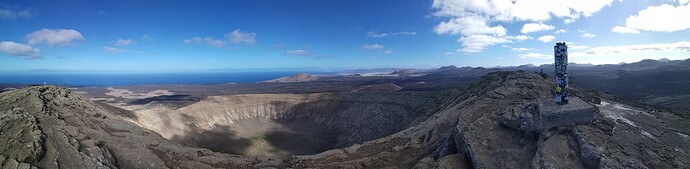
point(332, 35)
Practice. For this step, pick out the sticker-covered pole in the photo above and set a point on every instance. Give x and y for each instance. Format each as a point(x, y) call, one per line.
point(561, 64)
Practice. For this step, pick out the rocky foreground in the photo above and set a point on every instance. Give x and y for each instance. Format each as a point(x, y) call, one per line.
point(468, 127)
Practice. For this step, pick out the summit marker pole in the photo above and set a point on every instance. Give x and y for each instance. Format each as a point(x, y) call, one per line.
point(561, 66)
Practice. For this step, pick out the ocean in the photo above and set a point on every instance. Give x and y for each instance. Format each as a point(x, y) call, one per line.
point(125, 79)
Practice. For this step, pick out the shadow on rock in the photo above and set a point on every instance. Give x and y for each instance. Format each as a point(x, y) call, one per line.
point(174, 101)
point(302, 137)
point(219, 139)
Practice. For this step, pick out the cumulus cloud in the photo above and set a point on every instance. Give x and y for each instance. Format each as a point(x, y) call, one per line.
point(124, 42)
point(239, 37)
point(547, 38)
point(298, 53)
point(519, 37)
point(214, 42)
point(373, 34)
point(470, 25)
point(477, 43)
point(620, 29)
point(683, 46)
point(114, 50)
point(588, 35)
point(535, 27)
point(662, 18)
point(476, 21)
point(523, 10)
point(18, 49)
point(207, 41)
point(373, 46)
point(193, 40)
point(7, 13)
point(560, 31)
point(684, 2)
point(54, 37)
point(378, 48)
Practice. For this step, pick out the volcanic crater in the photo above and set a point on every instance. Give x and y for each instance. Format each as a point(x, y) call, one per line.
point(284, 124)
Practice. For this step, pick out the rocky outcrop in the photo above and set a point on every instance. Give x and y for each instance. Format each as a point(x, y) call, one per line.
point(52, 127)
point(38, 129)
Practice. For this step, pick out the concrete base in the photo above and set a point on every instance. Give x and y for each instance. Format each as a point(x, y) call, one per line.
point(574, 112)
point(545, 113)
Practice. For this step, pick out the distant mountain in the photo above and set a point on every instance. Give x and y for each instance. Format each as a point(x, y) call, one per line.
point(374, 70)
point(403, 73)
point(526, 66)
point(300, 77)
point(447, 68)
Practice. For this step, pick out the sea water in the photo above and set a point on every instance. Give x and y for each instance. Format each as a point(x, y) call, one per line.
point(124, 79)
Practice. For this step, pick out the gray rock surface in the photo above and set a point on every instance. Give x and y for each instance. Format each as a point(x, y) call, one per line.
point(459, 128)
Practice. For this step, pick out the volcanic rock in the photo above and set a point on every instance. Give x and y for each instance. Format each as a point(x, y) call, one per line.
point(299, 77)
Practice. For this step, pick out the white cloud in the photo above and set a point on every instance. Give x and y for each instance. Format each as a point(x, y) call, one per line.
point(627, 49)
point(535, 27)
point(207, 41)
point(547, 38)
point(214, 42)
point(521, 49)
point(378, 48)
point(534, 55)
point(575, 47)
point(239, 37)
point(522, 10)
point(662, 18)
point(476, 34)
point(588, 35)
point(560, 31)
point(381, 35)
point(477, 43)
point(298, 53)
point(55, 37)
point(620, 29)
point(519, 37)
point(477, 19)
point(124, 42)
point(147, 37)
point(193, 40)
point(14, 14)
point(376, 35)
point(471, 25)
point(18, 49)
point(114, 50)
point(683, 2)
point(373, 47)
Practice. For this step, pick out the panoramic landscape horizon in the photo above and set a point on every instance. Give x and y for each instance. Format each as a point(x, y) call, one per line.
point(356, 84)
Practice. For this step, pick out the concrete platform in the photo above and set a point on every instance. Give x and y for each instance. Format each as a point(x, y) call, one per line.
point(552, 114)
point(544, 114)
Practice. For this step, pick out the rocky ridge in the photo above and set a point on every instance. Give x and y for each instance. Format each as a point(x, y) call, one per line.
point(458, 128)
